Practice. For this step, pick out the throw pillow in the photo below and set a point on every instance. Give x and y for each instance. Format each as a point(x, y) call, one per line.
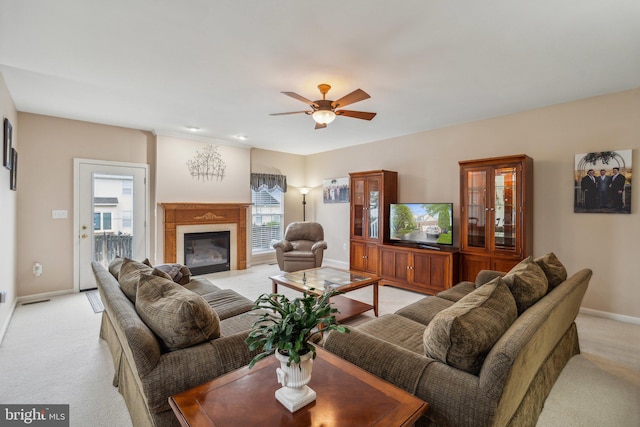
point(179, 317)
point(179, 273)
point(553, 269)
point(527, 283)
point(462, 335)
point(115, 265)
point(130, 275)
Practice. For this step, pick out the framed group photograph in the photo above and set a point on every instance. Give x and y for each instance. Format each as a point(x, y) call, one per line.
point(602, 182)
point(335, 190)
point(7, 145)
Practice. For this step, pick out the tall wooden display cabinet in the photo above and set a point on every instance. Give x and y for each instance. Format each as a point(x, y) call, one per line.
point(496, 214)
point(371, 194)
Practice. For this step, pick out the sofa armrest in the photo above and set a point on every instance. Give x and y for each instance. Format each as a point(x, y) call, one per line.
point(320, 244)
point(180, 370)
point(283, 245)
point(390, 362)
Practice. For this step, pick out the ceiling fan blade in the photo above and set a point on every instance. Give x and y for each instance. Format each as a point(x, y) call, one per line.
point(356, 114)
point(355, 96)
point(290, 112)
point(301, 98)
point(320, 125)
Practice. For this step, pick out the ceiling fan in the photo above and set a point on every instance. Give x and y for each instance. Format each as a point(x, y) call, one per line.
point(324, 110)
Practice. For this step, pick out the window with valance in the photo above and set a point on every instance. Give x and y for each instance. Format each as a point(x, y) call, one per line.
point(269, 182)
point(267, 210)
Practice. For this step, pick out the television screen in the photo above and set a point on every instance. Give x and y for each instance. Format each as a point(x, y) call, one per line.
point(422, 223)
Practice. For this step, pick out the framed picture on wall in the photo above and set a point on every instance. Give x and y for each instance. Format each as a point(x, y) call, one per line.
point(13, 182)
point(335, 190)
point(6, 152)
point(602, 182)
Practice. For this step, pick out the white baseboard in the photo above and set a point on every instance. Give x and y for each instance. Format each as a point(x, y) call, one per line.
point(612, 316)
point(45, 295)
point(334, 263)
point(3, 331)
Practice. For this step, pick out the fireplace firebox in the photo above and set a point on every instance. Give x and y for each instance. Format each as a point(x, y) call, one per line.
point(207, 252)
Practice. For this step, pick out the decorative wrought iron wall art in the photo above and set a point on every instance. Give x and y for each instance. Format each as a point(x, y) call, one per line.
point(207, 165)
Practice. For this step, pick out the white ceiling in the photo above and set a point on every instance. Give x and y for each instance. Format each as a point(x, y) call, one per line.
point(164, 65)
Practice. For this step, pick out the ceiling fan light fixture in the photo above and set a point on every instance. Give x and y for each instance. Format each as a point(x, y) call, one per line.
point(323, 116)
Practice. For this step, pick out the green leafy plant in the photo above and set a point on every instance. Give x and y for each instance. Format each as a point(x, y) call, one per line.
point(288, 325)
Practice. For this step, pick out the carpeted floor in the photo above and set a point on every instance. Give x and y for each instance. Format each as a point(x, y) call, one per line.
point(51, 354)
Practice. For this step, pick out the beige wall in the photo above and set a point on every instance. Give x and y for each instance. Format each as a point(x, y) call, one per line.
point(8, 203)
point(427, 164)
point(48, 147)
point(174, 183)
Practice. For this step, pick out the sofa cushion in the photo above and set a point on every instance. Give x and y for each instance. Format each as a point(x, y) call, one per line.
point(425, 309)
point(463, 334)
point(527, 283)
point(554, 270)
point(201, 286)
point(458, 291)
point(179, 317)
point(228, 303)
point(396, 329)
point(129, 276)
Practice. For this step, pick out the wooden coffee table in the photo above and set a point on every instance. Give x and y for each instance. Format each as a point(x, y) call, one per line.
point(346, 396)
point(322, 279)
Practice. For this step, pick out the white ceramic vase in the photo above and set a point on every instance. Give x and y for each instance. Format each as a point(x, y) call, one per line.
point(294, 393)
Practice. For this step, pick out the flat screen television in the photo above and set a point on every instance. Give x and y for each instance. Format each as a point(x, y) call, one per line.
point(422, 224)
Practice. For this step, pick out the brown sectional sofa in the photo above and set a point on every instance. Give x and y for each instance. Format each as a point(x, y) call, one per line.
point(481, 354)
point(147, 372)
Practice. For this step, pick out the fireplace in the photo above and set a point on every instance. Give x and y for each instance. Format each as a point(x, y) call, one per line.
point(207, 252)
point(185, 218)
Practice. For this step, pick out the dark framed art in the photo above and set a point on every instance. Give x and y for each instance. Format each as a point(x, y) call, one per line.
point(602, 182)
point(6, 152)
point(13, 182)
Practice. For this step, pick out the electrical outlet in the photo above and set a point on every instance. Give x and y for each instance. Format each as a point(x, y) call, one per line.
point(344, 247)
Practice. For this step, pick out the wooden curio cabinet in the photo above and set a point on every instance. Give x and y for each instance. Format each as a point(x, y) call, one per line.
point(371, 194)
point(496, 214)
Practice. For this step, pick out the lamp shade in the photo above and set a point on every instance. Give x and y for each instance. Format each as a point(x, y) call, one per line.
point(304, 190)
point(323, 116)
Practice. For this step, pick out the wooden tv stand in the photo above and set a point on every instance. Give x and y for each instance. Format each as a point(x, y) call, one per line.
point(417, 269)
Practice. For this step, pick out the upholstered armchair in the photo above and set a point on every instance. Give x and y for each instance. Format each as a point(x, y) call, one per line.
point(303, 246)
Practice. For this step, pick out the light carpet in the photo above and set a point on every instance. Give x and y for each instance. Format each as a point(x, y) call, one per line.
point(51, 353)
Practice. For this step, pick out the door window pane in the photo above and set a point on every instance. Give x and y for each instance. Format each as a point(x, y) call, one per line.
point(106, 221)
point(96, 220)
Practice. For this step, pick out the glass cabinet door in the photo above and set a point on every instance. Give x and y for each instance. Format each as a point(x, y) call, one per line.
point(373, 211)
point(505, 208)
point(476, 212)
point(358, 207)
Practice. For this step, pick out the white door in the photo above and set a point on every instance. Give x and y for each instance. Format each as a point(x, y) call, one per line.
point(110, 216)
